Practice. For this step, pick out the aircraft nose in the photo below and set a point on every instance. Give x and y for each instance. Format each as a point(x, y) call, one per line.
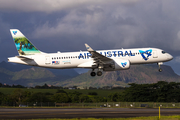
point(169, 57)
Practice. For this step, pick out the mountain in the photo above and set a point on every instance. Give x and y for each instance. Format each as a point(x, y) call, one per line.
point(32, 76)
point(136, 74)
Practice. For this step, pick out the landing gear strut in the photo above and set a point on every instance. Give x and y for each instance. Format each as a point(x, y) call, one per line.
point(160, 63)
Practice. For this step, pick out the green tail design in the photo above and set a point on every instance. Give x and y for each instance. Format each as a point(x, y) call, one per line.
point(23, 45)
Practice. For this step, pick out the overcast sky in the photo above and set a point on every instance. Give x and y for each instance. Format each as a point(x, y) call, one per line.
point(65, 25)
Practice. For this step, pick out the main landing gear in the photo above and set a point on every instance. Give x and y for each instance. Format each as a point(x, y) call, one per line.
point(160, 63)
point(99, 73)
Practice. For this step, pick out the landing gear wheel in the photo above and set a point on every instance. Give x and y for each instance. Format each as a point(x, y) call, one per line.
point(93, 74)
point(99, 73)
point(160, 70)
point(160, 63)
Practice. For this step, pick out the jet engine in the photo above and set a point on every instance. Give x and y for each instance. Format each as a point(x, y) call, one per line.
point(118, 64)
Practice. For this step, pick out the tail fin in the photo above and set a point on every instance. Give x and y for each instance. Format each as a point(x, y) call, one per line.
point(23, 45)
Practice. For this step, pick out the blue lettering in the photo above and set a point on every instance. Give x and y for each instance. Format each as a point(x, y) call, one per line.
point(126, 53)
point(114, 53)
point(104, 53)
point(81, 56)
point(88, 55)
point(132, 54)
point(120, 53)
point(109, 54)
point(85, 55)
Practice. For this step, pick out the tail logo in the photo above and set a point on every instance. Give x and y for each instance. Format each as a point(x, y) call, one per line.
point(146, 54)
point(14, 32)
point(124, 64)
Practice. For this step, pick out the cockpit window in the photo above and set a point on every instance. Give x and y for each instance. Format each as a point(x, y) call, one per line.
point(163, 52)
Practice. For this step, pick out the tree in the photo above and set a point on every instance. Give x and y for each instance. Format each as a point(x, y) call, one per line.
point(38, 97)
point(18, 95)
point(114, 97)
point(61, 98)
point(84, 99)
point(99, 99)
point(74, 96)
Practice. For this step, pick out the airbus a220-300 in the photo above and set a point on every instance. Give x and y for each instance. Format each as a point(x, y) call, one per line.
point(101, 60)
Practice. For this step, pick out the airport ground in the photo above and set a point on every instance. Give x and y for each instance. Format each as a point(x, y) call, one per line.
point(44, 113)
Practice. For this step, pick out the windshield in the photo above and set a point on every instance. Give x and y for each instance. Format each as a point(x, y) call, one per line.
point(163, 52)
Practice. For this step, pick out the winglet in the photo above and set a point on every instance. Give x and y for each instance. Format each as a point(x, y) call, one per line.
point(88, 48)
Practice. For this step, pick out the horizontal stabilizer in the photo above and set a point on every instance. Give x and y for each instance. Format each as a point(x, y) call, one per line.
point(24, 58)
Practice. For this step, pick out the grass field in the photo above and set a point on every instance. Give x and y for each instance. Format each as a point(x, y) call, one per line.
point(103, 93)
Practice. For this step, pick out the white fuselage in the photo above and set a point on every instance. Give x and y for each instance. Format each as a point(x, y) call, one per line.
point(83, 59)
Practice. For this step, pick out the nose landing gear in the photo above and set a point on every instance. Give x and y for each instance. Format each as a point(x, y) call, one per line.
point(160, 70)
point(160, 63)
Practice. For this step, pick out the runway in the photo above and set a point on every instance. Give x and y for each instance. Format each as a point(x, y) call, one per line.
point(34, 113)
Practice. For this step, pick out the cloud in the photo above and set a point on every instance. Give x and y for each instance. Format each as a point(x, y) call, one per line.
point(115, 23)
point(53, 5)
point(177, 59)
point(139, 24)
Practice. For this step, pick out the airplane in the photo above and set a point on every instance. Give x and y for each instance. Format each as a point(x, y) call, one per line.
point(102, 60)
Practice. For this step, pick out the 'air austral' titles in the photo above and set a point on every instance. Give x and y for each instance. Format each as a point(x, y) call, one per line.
point(103, 60)
point(107, 54)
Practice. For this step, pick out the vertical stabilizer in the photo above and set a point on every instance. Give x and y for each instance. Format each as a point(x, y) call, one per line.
point(23, 45)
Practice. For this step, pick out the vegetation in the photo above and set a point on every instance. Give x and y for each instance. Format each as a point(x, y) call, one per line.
point(156, 92)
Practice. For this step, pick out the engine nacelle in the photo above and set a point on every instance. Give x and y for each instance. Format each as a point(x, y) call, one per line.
point(118, 64)
point(121, 64)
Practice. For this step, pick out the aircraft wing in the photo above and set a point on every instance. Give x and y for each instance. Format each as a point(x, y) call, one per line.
point(98, 58)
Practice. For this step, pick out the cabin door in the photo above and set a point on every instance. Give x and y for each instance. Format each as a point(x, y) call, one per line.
point(155, 55)
point(47, 60)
